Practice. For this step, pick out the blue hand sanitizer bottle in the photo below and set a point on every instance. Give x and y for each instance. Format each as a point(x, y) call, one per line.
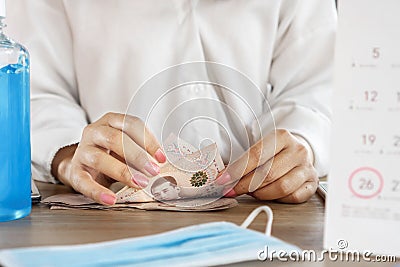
point(15, 152)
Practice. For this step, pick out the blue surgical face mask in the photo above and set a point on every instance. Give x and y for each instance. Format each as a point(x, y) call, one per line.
point(199, 245)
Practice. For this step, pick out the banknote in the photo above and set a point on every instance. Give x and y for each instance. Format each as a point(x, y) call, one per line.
point(187, 182)
point(78, 201)
point(188, 173)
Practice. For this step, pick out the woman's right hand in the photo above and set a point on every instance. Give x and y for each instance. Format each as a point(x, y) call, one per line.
point(117, 147)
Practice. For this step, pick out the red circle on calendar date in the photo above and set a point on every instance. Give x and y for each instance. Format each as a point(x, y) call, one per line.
point(366, 182)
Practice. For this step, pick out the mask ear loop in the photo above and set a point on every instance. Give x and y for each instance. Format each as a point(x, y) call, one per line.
point(255, 213)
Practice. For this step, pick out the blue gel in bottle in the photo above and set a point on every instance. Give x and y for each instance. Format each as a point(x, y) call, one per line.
point(15, 151)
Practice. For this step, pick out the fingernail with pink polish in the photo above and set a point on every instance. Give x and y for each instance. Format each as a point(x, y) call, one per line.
point(152, 168)
point(107, 199)
point(223, 179)
point(229, 192)
point(140, 180)
point(160, 156)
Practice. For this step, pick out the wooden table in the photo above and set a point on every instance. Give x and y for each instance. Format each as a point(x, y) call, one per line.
point(300, 224)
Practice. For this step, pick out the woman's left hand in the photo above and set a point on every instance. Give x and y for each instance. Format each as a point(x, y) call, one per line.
point(278, 167)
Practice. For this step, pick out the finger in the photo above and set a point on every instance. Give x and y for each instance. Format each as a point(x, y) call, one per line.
point(285, 185)
point(307, 146)
point(83, 182)
point(276, 167)
point(223, 178)
point(106, 164)
point(259, 153)
point(133, 154)
point(302, 194)
point(137, 131)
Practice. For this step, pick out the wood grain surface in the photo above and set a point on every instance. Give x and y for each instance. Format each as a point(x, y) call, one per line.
point(300, 224)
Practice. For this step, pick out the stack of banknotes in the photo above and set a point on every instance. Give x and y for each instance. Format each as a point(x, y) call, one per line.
point(187, 182)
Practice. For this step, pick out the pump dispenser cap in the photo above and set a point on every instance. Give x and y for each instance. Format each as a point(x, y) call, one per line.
point(2, 8)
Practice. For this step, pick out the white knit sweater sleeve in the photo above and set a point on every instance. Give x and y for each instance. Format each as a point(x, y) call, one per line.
point(301, 75)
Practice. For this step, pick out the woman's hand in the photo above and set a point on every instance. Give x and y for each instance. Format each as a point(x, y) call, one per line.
point(114, 148)
point(278, 167)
